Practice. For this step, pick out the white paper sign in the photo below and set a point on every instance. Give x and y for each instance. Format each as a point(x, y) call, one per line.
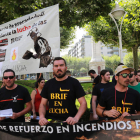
point(6, 113)
point(37, 117)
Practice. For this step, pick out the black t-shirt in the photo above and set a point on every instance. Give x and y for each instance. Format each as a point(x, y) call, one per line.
point(132, 101)
point(14, 99)
point(61, 96)
point(99, 88)
point(96, 81)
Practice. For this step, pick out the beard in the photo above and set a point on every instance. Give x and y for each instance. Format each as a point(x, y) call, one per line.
point(9, 86)
point(60, 75)
point(123, 84)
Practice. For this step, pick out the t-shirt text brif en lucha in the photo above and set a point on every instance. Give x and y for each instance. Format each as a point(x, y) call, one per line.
point(62, 96)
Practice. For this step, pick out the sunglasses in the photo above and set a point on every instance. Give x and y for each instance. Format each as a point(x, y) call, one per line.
point(124, 75)
point(10, 77)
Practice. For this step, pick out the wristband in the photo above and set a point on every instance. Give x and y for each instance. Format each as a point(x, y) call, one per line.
point(102, 113)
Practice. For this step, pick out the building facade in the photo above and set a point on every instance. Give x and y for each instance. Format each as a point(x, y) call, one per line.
point(82, 48)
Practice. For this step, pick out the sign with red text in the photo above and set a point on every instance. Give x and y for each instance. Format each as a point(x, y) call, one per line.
point(29, 44)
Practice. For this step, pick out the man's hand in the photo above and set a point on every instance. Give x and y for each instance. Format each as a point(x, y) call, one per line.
point(111, 113)
point(71, 120)
point(95, 117)
point(43, 121)
point(124, 114)
point(15, 115)
point(2, 118)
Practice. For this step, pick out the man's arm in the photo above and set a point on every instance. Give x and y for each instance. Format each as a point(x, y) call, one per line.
point(109, 113)
point(24, 111)
point(94, 99)
point(82, 109)
point(42, 112)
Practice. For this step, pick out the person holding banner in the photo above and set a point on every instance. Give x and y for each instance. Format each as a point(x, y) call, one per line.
point(119, 100)
point(61, 92)
point(36, 98)
point(14, 97)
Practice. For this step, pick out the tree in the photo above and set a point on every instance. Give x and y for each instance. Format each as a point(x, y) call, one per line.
point(66, 37)
point(72, 12)
point(75, 64)
point(104, 29)
point(112, 62)
point(128, 59)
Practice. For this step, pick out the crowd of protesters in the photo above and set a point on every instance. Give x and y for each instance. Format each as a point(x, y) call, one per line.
point(55, 99)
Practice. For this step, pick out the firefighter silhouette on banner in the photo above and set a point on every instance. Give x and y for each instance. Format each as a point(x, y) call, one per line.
point(42, 48)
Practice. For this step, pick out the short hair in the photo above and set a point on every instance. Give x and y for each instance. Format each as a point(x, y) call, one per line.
point(68, 72)
point(103, 72)
point(9, 70)
point(91, 71)
point(38, 81)
point(120, 64)
point(59, 58)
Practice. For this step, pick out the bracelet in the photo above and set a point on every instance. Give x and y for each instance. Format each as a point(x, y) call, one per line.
point(102, 113)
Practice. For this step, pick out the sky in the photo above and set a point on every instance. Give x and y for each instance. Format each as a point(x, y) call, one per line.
point(78, 35)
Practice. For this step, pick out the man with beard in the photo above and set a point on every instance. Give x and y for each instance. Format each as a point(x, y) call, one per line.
point(61, 92)
point(15, 97)
point(99, 88)
point(96, 80)
point(119, 100)
point(133, 82)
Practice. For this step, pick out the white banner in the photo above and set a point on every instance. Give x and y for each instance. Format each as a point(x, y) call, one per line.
point(30, 43)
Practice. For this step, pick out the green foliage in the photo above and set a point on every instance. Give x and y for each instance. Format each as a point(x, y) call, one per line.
point(74, 64)
point(128, 59)
point(72, 12)
point(112, 62)
point(66, 36)
point(29, 83)
point(83, 69)
point(104, 29)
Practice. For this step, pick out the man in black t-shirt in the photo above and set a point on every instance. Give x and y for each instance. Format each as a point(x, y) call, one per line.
point(62, 92)
point(14, 97)
point(96, 80)
point(99, 88)
point(119, 100)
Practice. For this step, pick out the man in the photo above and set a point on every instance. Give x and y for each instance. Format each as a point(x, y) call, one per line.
point(14, 97)
point(133, 82)
point(68, 73)
point(99, 88)
point(96, 80)
point(119, 100)
point(61, 92)
point(138, 75)
point(113, 78)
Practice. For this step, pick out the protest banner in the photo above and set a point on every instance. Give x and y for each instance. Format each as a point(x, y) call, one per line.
point(99, 130)
point(29, 44)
